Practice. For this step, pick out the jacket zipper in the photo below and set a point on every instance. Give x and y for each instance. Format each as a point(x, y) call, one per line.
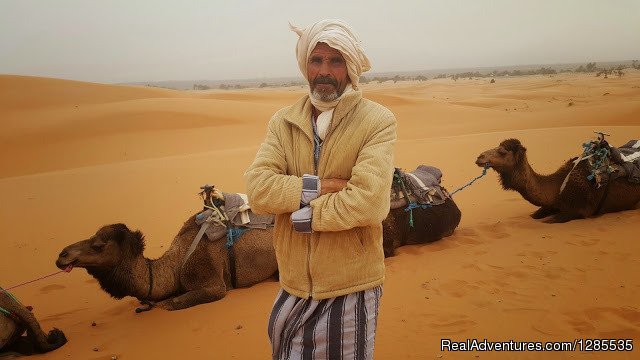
point(315, 172)
point(316, 162)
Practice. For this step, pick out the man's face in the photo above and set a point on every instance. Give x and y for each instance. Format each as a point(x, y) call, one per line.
point(327, 73)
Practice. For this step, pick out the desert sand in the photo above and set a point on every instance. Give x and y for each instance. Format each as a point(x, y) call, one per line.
point(77, 155)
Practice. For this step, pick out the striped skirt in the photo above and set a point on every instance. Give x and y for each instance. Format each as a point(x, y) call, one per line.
point(338, 328)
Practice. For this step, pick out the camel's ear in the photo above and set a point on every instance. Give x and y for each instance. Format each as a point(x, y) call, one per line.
point(119, 232)
point(513, 145)
point(136, 241)
point(127, 239)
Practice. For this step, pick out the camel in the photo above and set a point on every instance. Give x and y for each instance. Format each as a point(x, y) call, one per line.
point(18, 320)
point(429, 225)
point(114, 256)
point(579, 199)
point(428, 215)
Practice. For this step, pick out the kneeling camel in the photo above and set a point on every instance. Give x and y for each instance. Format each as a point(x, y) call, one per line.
point(114, 256)
point(579, 199)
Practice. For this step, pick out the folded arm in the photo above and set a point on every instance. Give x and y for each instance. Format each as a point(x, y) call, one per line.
point(269, 189)
point(365, 199)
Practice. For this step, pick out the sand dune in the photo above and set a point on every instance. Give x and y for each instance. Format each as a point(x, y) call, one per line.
point(99, 124)
point(79, 155)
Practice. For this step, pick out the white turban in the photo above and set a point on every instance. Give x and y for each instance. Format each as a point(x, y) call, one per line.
point(338, 35)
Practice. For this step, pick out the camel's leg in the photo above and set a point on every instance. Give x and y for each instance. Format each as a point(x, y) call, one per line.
point(561, 218)
point(54, 339)
point(192, 298)
point(43, 342)
point(34, 331)
point(543, 212)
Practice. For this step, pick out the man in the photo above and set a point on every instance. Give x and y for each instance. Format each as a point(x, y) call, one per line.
point(325, 171)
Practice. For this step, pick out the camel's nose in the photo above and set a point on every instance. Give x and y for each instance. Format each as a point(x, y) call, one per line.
point(481, 160)
point(62, 261)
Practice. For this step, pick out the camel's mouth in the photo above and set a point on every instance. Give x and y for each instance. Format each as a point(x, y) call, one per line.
point(482, 163)
point(64, 265)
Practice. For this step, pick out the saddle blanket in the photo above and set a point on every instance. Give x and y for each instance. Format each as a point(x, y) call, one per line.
point(238, 211)
point(422, 186)
point(628, 157)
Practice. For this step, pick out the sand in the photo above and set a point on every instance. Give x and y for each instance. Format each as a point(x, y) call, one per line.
point(76, 156)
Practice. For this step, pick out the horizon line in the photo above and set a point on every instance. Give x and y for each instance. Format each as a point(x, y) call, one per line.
point(379, 72)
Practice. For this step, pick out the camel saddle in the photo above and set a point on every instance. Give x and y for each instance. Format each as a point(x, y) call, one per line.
point(609, 163)
point(239, 214)
point(421, 186)
point(627, 157)
point(231, 218)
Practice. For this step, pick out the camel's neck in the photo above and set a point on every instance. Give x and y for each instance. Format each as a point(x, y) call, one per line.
point(162, 272)
point(540, 190)
point(132, 277)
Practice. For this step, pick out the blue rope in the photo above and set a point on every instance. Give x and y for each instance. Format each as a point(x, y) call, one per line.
point(413, 205)
point(600, 155)
point(233, 235)
point(484, 172)
point(10, 295)
point(9, 314)
point(6, 312)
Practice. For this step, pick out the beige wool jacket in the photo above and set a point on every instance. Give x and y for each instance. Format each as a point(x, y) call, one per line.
point(344, 252)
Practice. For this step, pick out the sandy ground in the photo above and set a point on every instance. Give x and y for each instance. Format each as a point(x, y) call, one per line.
point(76, 156)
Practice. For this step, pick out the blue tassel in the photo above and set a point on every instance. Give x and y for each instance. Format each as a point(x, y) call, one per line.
point(233, 235)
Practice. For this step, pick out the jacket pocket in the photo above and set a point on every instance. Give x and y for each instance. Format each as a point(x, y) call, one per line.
point(344, 245)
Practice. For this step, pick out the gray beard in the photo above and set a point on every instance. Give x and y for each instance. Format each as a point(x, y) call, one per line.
point(325, 97)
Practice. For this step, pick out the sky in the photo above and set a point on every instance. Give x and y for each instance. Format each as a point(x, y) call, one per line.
point(134, 40)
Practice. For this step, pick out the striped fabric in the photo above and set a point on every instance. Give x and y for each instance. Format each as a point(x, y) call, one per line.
point(630, 151)
point(337, 328)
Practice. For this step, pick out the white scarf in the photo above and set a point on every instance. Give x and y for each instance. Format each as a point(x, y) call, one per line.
point(338, 35)
point(324, 118)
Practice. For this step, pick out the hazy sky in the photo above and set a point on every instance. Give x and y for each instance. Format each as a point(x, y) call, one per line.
point(134, 40)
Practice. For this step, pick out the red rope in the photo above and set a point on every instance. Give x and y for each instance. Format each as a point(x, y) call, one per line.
point(68, 269)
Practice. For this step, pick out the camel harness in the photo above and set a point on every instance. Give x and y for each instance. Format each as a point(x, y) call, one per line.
point(6, 312)
point(417, 189)
point(218, 216)
point(597, 152)
point(213, 214)
point(148, 305)
point(399, 182)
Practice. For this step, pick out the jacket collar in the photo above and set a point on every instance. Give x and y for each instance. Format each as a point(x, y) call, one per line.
point(300, 113)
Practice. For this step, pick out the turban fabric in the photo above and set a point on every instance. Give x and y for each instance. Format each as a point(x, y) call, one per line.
point(338, 35)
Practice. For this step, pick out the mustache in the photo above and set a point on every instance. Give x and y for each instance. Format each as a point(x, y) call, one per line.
point(325, 80)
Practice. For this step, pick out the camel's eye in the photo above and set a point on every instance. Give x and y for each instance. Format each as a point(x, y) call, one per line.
point(502, 152)
point(97, 247)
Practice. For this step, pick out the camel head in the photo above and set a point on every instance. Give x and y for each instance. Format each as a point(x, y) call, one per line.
point(110, 245)
point(507, 156)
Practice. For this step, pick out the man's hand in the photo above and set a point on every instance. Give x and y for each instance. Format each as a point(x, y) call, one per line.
point(332, 185)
